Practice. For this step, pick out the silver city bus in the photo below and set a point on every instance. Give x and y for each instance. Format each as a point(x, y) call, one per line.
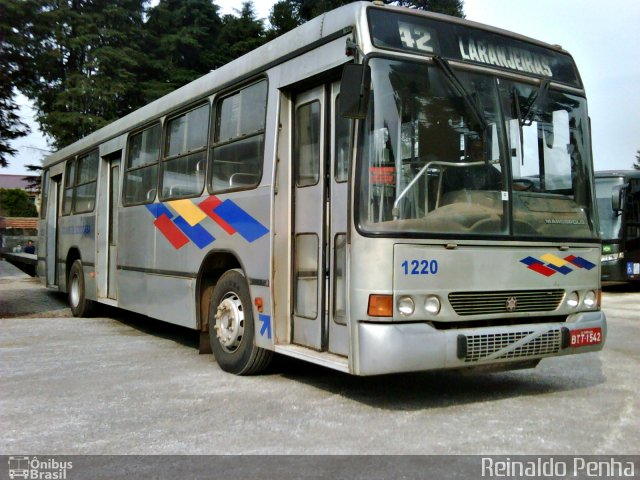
point(618, 201)
point(379, 190)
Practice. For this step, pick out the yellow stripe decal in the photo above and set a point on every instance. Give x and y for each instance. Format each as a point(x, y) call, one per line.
point(553, 260)
point(187, 210)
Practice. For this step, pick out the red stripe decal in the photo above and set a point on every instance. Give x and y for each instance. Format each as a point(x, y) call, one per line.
point(208, 206)
point(171, 232)
point(540, 268)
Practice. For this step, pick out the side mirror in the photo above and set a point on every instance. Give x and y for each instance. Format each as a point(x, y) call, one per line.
point(355, 88)
point(616, 199)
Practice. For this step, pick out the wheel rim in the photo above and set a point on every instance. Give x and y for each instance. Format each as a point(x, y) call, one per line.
point(75, 290)
point(230, 322)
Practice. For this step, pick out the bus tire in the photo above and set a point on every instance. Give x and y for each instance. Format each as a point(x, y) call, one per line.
point(80, 305)
point(231, 327)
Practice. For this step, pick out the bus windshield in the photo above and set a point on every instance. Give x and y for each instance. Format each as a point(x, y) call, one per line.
point(446, 152)
point(610, 221)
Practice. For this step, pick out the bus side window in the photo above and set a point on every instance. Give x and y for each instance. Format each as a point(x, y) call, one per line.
point(238, 148)
point(45, 195)
point(141, 177)
point(84, 197)
point(185, 154)
point(343, 129)
point(69, 180)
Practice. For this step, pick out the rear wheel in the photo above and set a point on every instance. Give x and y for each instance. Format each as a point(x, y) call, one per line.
point(231, 327)
point(80, 305)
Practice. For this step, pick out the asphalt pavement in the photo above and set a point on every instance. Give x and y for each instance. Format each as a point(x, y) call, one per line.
point(121, 383)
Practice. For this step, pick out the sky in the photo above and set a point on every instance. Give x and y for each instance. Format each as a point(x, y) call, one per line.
point(603, 38)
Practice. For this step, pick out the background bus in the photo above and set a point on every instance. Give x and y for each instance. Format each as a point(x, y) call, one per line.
point(356, 193)
point(618, 193)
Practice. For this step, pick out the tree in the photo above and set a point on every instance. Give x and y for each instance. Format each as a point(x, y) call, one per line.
point(82, 62)
point(12, 44)
point(179, 38)
point(288, 14)
point(282, 18)
point(636, 165)
point(448, 7)
point(240, 33)
point(34, 182)
point(15, 202)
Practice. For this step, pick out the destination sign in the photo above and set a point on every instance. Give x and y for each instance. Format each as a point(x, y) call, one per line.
point(505, 57)
point(426, 36)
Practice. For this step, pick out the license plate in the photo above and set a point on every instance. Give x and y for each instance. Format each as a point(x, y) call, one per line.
point(585, 336)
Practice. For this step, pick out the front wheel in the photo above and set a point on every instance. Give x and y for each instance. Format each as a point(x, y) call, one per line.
point(231, 327)
point(80, 305)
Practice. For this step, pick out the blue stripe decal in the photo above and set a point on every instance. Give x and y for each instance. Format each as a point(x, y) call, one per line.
point(564, 270)
point(241, 221)
point(197, 234)
point(158, 209)
point(581, 262)
point(530, 261)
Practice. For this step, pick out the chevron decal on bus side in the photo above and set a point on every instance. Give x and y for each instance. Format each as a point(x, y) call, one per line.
point(187, 225)
point(550, 264)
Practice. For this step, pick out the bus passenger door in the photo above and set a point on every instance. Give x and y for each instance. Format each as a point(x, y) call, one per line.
point(321, 152)
point(52, 207)
point(339, 155)
point(309, 203)
point(114, 196)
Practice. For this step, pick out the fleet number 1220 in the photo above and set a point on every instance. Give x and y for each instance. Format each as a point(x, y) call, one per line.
point(420, 267)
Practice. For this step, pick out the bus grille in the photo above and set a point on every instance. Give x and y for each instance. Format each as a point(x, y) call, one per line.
point(478, 347)
point(483, 303)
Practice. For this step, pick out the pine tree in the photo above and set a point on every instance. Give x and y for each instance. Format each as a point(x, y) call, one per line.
point(288, 14)
point(179, 37)
point(636, 165)
point(448, 7)
point(12, 45)
point(84, 58)
point(240, 33)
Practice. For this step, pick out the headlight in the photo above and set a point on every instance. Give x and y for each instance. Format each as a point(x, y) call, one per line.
point(573, 299)
point(432, 305)
point(406, 305)
point(612, 257)
point(590, 299)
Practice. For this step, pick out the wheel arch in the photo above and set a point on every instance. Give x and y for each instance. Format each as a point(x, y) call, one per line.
point(211, 269)
point(73, 254)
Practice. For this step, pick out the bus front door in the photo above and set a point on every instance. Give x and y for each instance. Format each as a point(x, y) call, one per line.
point(321, 146)
point(114, 196)
point(55, 193)
point(309, 218)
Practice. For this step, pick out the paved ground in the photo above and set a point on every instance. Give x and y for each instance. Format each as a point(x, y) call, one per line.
point(122, 384)
point(22, 295)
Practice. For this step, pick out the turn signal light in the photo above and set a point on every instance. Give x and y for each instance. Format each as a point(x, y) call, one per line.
point(380, 306)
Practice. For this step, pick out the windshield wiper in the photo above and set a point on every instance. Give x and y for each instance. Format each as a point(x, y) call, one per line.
point(536, 99)
point(460, 89)
point(527, 119)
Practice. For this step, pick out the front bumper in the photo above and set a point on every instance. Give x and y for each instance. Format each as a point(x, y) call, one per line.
point(405, 347)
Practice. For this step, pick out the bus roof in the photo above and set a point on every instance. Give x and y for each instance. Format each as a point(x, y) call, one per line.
point(307, 36)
